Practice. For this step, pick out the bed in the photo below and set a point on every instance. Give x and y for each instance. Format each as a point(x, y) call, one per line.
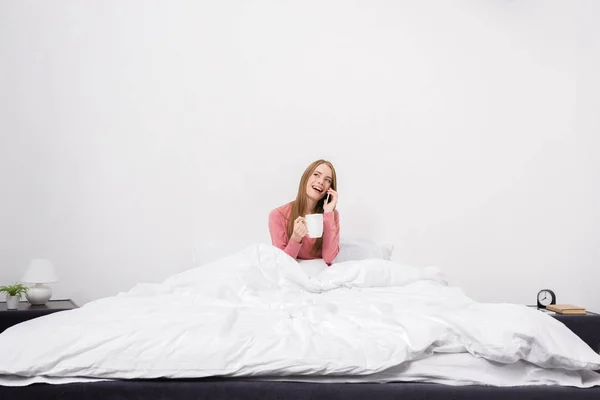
point(257, 324)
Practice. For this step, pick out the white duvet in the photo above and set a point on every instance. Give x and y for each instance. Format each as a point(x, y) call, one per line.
point(258, 313)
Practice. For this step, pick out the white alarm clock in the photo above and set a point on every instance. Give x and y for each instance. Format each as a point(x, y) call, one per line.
point(545, 297)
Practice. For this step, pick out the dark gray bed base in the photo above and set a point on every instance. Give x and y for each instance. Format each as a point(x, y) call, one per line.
point(221, 389)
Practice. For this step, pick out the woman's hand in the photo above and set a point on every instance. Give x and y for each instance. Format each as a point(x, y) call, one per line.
point(329, 206)
point(300, 229)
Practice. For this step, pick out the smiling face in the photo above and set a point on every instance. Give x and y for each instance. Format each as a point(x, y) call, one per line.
point(319, 182)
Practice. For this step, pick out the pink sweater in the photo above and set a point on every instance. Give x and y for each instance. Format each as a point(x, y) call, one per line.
point(278, 219)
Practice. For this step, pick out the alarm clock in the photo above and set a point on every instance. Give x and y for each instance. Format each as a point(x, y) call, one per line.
point(545, 297)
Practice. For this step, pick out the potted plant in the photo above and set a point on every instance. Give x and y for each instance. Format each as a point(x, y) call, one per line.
point(13, 294)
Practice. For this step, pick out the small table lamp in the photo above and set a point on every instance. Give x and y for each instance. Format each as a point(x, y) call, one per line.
point(39, 272)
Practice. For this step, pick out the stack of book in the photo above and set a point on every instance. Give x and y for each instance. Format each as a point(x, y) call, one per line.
point(566, 309)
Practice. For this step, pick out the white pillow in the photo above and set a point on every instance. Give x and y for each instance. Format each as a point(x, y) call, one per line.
point(362, 249)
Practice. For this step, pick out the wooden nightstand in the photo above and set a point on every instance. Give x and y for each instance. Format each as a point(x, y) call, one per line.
point(27, 311)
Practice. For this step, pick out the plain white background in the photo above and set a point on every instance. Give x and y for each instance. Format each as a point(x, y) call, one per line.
point(465, 132)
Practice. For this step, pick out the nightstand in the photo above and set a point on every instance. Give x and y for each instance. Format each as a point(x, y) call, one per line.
point(587, 327)
point(27, 311)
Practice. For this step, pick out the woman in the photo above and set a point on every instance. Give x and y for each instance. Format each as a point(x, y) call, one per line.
point(288, 226)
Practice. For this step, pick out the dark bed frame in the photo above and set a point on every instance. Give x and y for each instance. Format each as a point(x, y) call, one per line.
point(228, 389)
point(586, 327)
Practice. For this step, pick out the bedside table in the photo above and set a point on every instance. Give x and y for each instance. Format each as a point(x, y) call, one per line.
point(28, 311)
point(587, 327)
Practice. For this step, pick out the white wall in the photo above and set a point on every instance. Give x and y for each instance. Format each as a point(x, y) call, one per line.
point(586, 255)
point(462, 131)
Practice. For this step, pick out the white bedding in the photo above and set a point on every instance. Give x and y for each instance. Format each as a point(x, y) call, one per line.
point(455, 369)
point(257, 313)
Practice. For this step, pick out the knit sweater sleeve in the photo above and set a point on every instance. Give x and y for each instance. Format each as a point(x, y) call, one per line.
point(279, 236)
point(331, 236)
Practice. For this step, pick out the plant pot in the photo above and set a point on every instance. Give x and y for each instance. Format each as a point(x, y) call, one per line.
point(12, 302)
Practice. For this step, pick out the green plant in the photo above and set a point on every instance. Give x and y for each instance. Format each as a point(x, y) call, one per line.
point(14, 290)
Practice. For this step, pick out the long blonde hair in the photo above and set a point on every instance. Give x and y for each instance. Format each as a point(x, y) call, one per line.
point(299, 205)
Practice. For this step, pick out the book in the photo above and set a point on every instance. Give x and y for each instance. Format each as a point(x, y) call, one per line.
point(566, 309)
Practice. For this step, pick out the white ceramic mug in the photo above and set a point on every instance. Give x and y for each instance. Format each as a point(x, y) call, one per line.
point(314, 224)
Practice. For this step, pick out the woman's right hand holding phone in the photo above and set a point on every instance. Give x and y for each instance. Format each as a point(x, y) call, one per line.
point(300, 229)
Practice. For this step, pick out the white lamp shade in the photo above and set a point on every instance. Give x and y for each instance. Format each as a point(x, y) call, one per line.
point(40, 271)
